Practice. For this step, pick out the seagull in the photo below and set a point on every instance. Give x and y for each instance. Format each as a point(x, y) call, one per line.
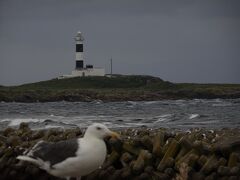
point(74, 157)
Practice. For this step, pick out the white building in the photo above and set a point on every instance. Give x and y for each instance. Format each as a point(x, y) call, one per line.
point(80, 70)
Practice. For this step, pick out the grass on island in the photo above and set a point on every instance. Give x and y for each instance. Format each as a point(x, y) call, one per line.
point(119, 87)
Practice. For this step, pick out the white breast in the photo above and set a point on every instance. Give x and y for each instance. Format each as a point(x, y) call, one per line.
point(90, 156)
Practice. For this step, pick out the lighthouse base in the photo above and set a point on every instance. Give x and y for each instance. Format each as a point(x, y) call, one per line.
point(85, 72)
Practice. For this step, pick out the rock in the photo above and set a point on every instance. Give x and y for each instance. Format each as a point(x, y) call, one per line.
point(160, 176)
point(158, 143)
point(37, 134)
point(12, 174)
point(235, 171)
point(227, 145)
point(142, 161)
point(8, 152)
point(233, 159)
point(143, 176)
point(126, 173)
point(126, 158)
point(103, 174)
point(233, 178)
point(13, 141)
point(147, 142)
point(8, 131)
point(113, 157)
point(24, 126)
point(115, 144)
point(223, 171)
point(196, 176)
point(111, 169)
point(51, 132)
point(94, 175)
point(129, 148)
point(210, 165)
point(189, 159)
point(170, 172)
point(186, 145)
point(116, 175)
point(222, 162)
point(212, 176)
point(149, 169)
point(171, 152)
point(202, 160)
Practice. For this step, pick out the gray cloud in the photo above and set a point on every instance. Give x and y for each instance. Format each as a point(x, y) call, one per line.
point(180, 41)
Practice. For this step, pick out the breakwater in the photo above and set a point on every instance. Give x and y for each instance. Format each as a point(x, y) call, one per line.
point(142, 153)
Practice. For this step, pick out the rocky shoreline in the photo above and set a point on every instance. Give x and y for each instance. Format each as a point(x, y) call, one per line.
point(31, 96)
point(141, 154)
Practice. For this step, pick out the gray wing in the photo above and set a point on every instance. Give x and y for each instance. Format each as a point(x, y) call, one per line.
point(55, 152)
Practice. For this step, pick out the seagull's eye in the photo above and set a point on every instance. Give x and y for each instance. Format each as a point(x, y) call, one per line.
point(98, 128)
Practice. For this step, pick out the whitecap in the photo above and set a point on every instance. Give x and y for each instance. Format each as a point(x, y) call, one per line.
point(163, 117)
point(16, 122)
point(192, 116)
point(222, 104)
point(150, 102)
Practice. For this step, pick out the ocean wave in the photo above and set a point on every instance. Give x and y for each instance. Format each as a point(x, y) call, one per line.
point(224, 104)
point(150, 102)
point(192, 116)
point(16, 122)
point(163, 117)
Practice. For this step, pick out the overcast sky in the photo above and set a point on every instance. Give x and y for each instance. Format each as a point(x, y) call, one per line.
point(176, 40)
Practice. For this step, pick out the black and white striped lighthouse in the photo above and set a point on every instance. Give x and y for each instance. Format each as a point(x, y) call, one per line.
point(79, 51)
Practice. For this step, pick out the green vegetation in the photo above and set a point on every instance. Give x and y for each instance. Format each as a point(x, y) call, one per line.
point(117, 88)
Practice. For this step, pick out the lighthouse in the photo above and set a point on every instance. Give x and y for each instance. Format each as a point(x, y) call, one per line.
point(81, 70)
point(79, 51)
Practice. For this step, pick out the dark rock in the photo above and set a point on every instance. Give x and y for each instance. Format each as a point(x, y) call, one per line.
point(37, 134)
point(212, 176)
point(24, 126)
point(227, 145)
point(197, 176)
point(13, 141)
point(233, 178)
point(222, 162)
point(116, 175)
point(9, 131)
point(143, 176)
point(126, 158)
point(170, 153)
point(114, 156)
point(210, 165)
point(160, 176)
point(147, 142)
point(170, 172)
point(116, 144)
point(126, 173)
point(202, 160)
point(104, 174)
point(111, 169)
point(149, 169)
point(233, 159)
point(158, 143)
point(223, 171)
point(131, 149)
point(235, 171)
point(142, 161)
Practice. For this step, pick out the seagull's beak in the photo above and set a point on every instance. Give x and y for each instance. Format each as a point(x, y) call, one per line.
point(114, 135)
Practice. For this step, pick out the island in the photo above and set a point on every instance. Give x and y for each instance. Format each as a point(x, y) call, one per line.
point(115, 88)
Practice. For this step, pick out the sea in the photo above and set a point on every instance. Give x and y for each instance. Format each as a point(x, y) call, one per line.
point(179, 114)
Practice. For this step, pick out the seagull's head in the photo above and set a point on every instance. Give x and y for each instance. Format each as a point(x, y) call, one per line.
point(100, 131)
